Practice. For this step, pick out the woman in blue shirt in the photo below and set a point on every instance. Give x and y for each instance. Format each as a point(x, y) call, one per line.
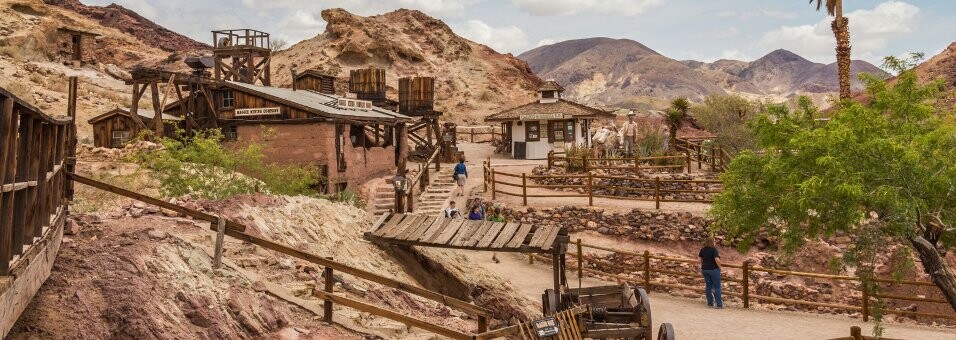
point(461, 173)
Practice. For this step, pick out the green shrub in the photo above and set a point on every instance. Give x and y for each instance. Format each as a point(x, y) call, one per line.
point(349, 197)
point(202, 166)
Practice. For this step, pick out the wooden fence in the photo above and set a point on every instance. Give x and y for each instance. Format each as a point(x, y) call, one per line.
point(655, 188)
point(712, 155)
point(422, 179)
point(472, 131)
point(635, 164)
point(35, 152)
point(327, 293)
point(647, 269)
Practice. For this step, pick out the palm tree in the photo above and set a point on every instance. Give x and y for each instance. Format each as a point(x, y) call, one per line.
point(841, 31)
point(675, 115)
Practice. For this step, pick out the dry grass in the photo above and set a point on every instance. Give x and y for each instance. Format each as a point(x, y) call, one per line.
point(89, 200)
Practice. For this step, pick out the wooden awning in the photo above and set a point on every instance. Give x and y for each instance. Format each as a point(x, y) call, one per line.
point(440, 232)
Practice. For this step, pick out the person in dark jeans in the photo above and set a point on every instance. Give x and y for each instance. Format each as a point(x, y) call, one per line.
point(710, 268)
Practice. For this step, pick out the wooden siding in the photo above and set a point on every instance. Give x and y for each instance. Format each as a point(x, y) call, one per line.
point(248, 101)
point(416, 95)
point(321, 84)
point(368, 84)
point(103, 129)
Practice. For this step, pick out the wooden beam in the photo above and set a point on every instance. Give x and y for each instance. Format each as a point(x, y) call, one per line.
point(375, 310)
point(158, 202)
point(134, 107)
point(157, 111)
point(8, 135)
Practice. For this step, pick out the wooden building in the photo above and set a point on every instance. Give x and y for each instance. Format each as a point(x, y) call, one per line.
point(116, 127)
point(350, 139)
point(549, 123)
point(314, 80)
point(75, 45)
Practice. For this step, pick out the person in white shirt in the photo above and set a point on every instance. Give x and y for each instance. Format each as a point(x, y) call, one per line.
point(452, 211)
point(629, 133)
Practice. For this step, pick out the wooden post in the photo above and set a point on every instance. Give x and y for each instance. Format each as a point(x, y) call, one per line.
point(550, 158)
point(556, 270)
point(590, 188)
point(637, 164)
point(699, 156)
point(8, 139)
point(220, 236)
point(584, 163)
point(484, 178)
point(158, 109)
point(426, 179)
point(647, 271)
point(856, 333)
point(746, 273)
point(410, 199)
point(687, 160)
point(713, 159)
point(580, 262)
point(492, 183)
point(71, 139)
point(471, 132)
point(329, 288)
point(482, 324)
point(657, 192)
point(866, 301)
point(530, 258)
point(524, 189)
point(720, 156)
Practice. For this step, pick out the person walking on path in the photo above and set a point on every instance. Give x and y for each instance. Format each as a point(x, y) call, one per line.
point(461, 173)
point(710, 268)
point(452, 211)
point(629, 133)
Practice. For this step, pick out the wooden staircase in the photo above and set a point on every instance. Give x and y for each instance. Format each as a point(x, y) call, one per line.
point(383, 199)
point(433, 199)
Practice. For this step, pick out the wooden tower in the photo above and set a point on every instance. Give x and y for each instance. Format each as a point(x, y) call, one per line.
point(242, 55)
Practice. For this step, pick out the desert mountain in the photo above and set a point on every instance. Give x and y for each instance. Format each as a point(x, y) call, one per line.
point(622, 72)
point(127, 21)
point(471, 78)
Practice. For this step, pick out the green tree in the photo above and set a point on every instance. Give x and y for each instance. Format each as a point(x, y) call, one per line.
point(889, 163)
point(841, 30)
point(727, 117)
point(675, 115)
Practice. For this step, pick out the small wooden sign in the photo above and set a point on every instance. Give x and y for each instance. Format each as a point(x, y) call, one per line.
point(541, 116)
point(263, 111)
point(546, 327)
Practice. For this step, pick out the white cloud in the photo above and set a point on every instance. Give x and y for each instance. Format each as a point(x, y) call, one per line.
point(759, 13)
point(568, 7)
point(870, 31)
point(734, 54)
point(546, 41)
point(508, 39)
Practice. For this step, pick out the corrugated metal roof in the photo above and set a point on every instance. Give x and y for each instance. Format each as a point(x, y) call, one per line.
point(324, 103)
point(148, 114)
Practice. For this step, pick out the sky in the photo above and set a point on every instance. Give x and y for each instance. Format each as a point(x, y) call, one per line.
point(705, 30)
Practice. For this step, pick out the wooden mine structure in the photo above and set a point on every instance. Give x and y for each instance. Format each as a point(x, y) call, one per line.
point(314, 80)
point(242, 55)
point(416, 98)
point(603, 312)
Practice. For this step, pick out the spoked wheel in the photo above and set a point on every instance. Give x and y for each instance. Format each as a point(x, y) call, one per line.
point(643, 311)
point(666, 332)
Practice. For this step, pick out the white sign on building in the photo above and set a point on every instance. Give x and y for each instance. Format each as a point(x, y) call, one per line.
point(541, 116)
point(264, 111)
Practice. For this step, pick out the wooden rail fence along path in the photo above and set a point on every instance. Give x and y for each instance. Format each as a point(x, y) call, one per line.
point(650, 266)
point(655, 189)
point(36, 151)
point(472, 131)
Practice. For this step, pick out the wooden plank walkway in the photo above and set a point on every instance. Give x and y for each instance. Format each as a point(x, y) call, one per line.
point(439, 232)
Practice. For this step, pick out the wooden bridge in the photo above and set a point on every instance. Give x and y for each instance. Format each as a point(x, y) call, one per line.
point(434, 231)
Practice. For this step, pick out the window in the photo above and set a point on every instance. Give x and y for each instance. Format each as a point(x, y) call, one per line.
point(569, 130)
point(532, 132)
point(556, 131)
point(120, 138)
point(547, 94)
point(230, 133)
point(228, 99)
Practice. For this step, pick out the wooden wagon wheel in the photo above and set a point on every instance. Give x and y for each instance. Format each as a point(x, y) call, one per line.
point(666, 332)
point(643, 311)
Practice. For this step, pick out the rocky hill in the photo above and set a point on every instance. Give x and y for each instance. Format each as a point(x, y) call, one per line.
point(622, 72)
point(472, 80)
point(127, 21)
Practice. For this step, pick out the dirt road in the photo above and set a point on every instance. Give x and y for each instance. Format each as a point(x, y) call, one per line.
point(693, 320)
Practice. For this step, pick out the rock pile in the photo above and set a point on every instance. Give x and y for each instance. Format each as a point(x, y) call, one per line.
point(89, 153)
point(636, 225)
point(641, 186)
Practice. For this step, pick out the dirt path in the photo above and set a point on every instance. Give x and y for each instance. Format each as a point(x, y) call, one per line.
point(693, 320)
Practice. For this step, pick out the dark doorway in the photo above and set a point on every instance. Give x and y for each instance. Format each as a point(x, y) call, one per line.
point(77, 47)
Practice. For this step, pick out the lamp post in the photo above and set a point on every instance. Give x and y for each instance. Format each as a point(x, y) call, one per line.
point(400, 183)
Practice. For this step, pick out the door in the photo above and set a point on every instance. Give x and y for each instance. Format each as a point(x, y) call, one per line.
point(77, 47)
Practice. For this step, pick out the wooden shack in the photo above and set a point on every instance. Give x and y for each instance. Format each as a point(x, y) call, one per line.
point(314, 80)
point(74, 45)
point(548, 123)
point(351, 139)
point(116, 127)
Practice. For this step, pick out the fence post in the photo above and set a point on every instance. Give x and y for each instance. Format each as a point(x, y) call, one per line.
point(590, 188)
point(713, 159)
point(866, 301)
point(492, 183)
point(410, 206)
point(580, 261)
point(329, 287)
point(471, 132)
point(584, 162)
point(657, 192)
point(856, 333)
point(746, 292)
point(425, 180)
point(524, 189)
point(699, 156)
point(485, 177)
point(637, 164)
point(720, 155)
point(550, 158)
point(647, 271)
point(687, 160)
point(220, 236)
point(530, 258)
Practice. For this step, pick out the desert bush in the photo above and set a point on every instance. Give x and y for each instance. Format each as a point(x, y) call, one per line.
point(348, 197)
point(727, 117)
point(202, 166)
point(648, 142)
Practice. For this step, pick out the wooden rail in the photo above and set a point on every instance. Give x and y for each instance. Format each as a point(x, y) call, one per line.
point(471, 131)
point(634, 164)
point(34, 151)
point(422, 179)
point(656, 187)
point(235, 230)
point(644, 273)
